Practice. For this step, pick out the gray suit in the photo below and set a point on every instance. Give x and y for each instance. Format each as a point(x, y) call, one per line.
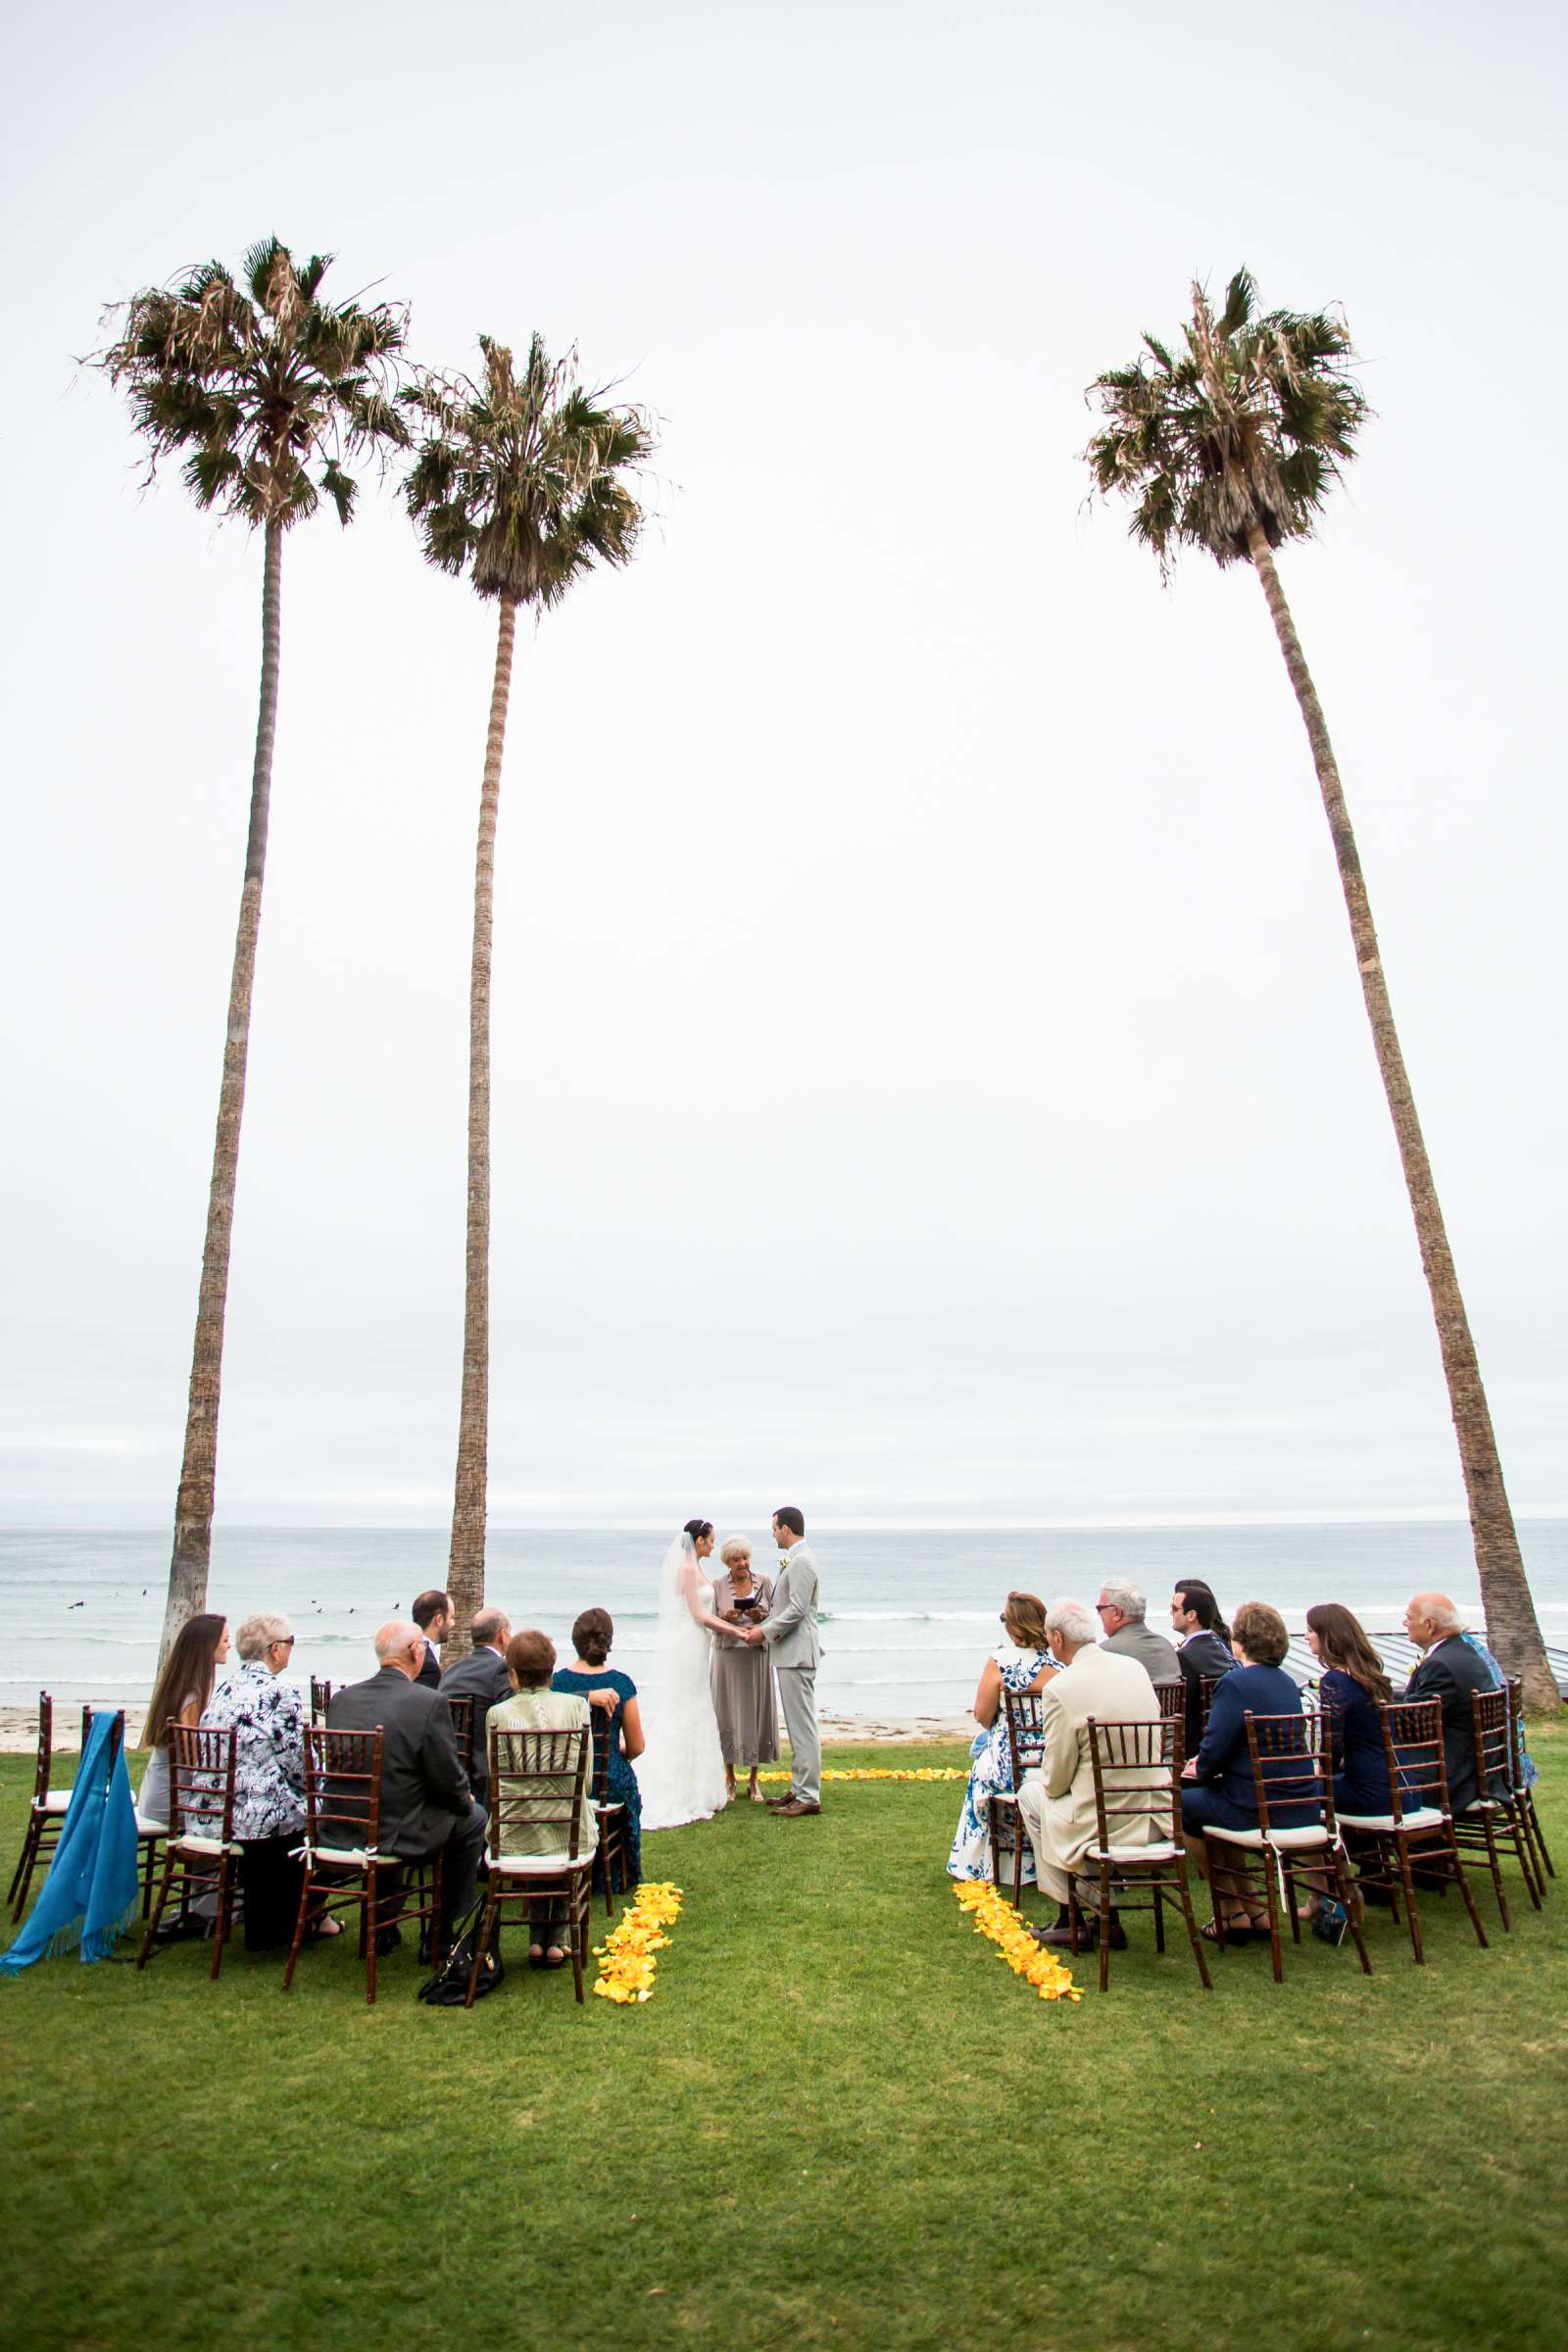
point(789, 1633)
point(1154, 1654)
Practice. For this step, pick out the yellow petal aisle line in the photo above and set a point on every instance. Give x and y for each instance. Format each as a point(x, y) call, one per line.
point(996, 1918)
point(881, 1772)
point(626, 1957)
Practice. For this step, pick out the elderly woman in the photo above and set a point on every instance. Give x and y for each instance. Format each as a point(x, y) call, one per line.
point(741, 1674)
point(1019, 1663)
point(536, 1707)
point(268, 1717)
point(1221, 1792)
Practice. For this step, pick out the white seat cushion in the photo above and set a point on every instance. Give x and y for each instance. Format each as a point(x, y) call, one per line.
point(1164, 1852)
point(1312, 1834)
point(613, 1806)
point(146, 1827)
point(340, 1857)
point(1428, 1817)
point(55, 1802)
point(540, 1866)
point(206, 1845)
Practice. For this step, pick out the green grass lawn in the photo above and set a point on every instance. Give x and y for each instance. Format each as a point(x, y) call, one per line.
point(841, 2120)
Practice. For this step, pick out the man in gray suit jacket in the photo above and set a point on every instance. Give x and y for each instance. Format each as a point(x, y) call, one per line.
point(790, 1632)
point(482, 1677)
point(1123, 1610)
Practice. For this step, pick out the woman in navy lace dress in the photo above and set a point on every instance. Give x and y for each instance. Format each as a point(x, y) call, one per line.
point(591, 1636)
point(1353, 1686)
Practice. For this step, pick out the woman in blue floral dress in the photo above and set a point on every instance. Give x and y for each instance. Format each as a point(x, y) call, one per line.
point(592, 1636)
point(1018, 1664)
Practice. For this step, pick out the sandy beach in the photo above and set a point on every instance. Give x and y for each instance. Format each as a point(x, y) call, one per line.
point(19, 1729)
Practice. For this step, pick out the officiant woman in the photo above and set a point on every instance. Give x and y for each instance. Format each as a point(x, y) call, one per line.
point(743, 1675)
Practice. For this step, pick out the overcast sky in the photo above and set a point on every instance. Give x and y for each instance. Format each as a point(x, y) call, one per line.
point(930, 1071)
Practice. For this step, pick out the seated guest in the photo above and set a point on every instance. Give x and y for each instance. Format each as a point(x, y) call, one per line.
point(588, 1676)
point(742, 1672)
point(1352, 1687)
point(268, 1718)
point(180, 1695)
point(1057, 1803)
point(1019, 1663)
point(1123, 1610)
point(435, 1617)
point(1204, 1647)
point(482, 1677)
point(1449, 1672)
point(428, 1807)
point(1222, 1793)
point(536, 1707)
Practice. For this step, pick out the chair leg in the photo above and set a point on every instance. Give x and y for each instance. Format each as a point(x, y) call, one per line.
point(299, 1928)
point(1271, 1887)
point(157, 1919)
point(1159, 1918)
point(577, 1915)
point(1527, 1799)
point(1519, 1839)
point(482, 1942)
point(371, 1927)
point(1193, 1937)
point(1341, 1886)
point(1402, 1843)
point(1495, 1868)
point(222, 1922)
point(1463, 1877)
point(21, 1876)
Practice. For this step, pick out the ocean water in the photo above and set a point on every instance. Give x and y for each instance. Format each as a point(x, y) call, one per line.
point(909, 1614)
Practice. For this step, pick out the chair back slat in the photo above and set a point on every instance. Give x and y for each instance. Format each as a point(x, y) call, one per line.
point(1208, 1685)
point(1026, 1730)
point(46, 1747)
point(1515, 1689)
point(342, 1787)
point(1492, 1718)
point(1138, 1777)
point(537, 1779)
point(321, 1698)
point(1171, 1693)
point(201, 1781)
point(1412, 1745)
point(1292, 1769)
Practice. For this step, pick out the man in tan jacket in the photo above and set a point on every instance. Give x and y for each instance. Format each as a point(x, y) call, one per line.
point(1057, 1803)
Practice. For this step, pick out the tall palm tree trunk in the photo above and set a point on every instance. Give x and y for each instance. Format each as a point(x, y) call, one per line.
point(193, 1510)
point(466, 1562)
point(1511, 1624)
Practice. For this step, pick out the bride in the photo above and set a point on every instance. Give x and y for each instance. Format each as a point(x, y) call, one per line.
point(681, 1770)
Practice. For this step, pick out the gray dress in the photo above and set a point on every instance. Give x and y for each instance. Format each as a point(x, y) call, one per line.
point(742, 1683)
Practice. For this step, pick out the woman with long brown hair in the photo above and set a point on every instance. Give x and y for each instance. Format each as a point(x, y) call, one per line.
point(180, 1696)
point(1019, 1663)
point(1353, 1685)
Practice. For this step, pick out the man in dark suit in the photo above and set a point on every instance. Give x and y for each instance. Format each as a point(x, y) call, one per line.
point(482, 1677)
point(1449, 1672)
point(1204, 1647)
point(434, 1614)
point(426, 1804)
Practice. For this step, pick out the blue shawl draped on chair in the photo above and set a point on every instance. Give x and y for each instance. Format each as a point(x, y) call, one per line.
point(89, 1896)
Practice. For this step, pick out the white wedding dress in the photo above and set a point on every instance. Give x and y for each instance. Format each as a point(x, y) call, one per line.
point(681, 1769)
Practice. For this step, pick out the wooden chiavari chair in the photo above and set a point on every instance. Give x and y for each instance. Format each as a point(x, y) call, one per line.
point(320, 1699)
point(46, 1813)
point(461, 1712)
point(344, 1869)
point(1495, 1819)
point(537, 1781)
point(201, 1852)
point(1026, 1741)
point(1292, 1769)
point(1138, 1789)
point(1521, 1786)
point(1171, 1693)
point(1419, 1827)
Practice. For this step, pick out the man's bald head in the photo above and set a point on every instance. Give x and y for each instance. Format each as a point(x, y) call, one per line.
point(400, 1643)
point(1431, 1618)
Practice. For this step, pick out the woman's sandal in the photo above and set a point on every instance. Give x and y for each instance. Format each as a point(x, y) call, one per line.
point(1243, 1933)
point(756, 1794)
point(536, 1955)
point(560, 1960)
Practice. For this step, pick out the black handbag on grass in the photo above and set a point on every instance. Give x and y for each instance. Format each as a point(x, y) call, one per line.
point(448, 1989)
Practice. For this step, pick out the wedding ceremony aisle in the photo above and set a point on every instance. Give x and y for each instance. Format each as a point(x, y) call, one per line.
point(841, 2120)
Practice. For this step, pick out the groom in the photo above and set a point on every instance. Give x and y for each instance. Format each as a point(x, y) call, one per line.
point(790, 1633)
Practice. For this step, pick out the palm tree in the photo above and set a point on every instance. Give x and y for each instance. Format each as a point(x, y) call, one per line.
point(1231, 445)
point(264, 391)
point(517, 482)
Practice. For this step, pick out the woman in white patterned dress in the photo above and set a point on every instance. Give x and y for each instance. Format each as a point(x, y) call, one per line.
point(1020, 1663)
